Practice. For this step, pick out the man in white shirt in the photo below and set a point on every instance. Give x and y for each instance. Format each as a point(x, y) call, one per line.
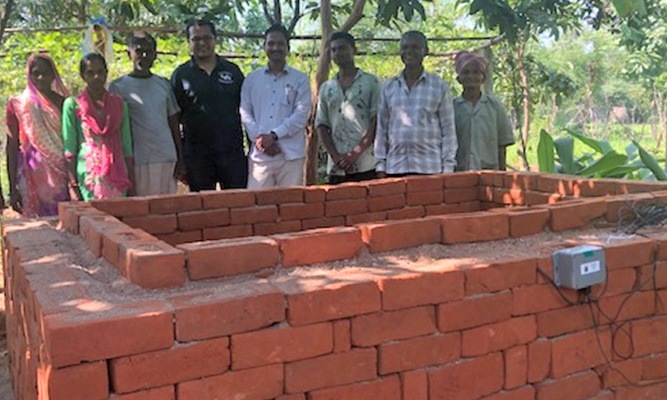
point(275, 103)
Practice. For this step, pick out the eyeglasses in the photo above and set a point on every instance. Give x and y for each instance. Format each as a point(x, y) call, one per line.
point(198, 39)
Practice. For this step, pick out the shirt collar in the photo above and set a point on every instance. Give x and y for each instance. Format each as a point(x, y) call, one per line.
point(424, 76)
point(218, 62)
point(482, 99)
point(285, 70)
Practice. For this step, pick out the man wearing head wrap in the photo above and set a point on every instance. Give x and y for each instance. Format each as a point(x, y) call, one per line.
point(483, 130)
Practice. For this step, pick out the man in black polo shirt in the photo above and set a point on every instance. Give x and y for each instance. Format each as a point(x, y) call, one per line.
point(208, 90)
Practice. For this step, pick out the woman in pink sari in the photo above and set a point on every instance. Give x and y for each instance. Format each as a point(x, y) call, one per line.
point(35, 150)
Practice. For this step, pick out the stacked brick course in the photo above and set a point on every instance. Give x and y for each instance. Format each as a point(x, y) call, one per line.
point(468, 328)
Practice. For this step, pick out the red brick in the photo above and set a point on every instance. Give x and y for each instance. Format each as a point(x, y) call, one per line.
point(320, 245)
point(564, 320)
point(80, 382)
point(461, 179)
point(649, 336)
point(618, 207)
point(301, 211)
point(575, 214)
point(164, 223)
point(419, 352)
point(529, 222)
point(482, 376)
point(164, 367)
point(462, 195)
point(624, 306)
point(227, 232)
point(521, 180)
point(424, 183)
point(230, 256)
point(425, 197)
point(579, 351)
point(152, 264)
point(486, 193)
point(632, 253)
point(394, 235)
point(345, 207)
point(581, 386)
point(280, 195)
point(441, 209)
point(227, 198)
point(373, 329)
point(532, 198)
point(556, 183)
point(384, 203)
point(312, 302)
point(655, 367)
point(516, 367)
point(386, 187)
point(618, 282)
point(280, 345)
point(386, 389)
point(615, 374)
point(411, 290)
point(176, 238)
point(326, 222)
point(93, 228)
point(498, 336)
point(242, 308)
point(523, 393)
point(604, 395)
point(645, 392)
point(123, 207)
point(484, 278)
point(138, 328)
point(365, 218)
point(346, 191)
point(596, 187)
point(191, 220)
point(330, 370)
point(475, 227)
point(300, 396)
point(539, 360)
point(414, 385)
point(162, 393)
point(249, 384)
point(272, 228)
point(626, 186)
point(537, 298)
point(491, 178)
point(169, 204)
point(70, 212)
point(649, 277)
point(508, 196)
point(252, 215)
point(474, 311)
point(406, 213)
point(314, 194)
point(342, 336)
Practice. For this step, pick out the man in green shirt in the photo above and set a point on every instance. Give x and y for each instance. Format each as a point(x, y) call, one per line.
point(346, 115)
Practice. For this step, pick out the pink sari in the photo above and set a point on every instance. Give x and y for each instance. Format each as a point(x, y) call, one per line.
point(42, 169)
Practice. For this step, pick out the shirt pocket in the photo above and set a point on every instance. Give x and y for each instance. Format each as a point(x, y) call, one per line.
point(289, 97)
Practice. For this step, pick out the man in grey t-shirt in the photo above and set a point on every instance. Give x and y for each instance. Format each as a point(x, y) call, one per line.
point(158, 155)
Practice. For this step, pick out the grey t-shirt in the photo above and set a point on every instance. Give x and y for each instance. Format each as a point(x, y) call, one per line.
point(151, 102)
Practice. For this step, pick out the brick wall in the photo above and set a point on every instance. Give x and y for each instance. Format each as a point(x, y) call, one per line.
point(486, 328)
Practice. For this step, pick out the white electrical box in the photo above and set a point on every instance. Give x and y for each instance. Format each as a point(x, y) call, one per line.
point(579, 267)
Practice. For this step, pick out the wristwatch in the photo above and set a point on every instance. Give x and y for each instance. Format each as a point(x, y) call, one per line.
point(273, 135)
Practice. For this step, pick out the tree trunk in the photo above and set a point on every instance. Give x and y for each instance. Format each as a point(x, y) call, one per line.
point(525, 92)
point(9, 5)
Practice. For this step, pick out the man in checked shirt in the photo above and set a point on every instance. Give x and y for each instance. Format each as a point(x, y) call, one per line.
point(415, 127)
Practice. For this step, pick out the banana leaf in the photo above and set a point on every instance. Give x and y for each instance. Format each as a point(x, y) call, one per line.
point(651, 163)
point(545, 153)
point(607, 162)
point(565, 150)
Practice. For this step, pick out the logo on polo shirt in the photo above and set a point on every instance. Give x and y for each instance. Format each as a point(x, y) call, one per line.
point(225, 77)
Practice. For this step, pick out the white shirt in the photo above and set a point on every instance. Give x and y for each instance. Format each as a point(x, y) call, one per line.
point(276, 103)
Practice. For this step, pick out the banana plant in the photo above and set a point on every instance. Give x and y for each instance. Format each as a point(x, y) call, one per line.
point(599, 160)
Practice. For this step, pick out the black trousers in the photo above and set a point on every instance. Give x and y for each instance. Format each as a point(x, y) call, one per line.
point(204, 171)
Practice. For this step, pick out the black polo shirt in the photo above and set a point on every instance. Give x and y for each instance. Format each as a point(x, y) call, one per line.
point(210, 107)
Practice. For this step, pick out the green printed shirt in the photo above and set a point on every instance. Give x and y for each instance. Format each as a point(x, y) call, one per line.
point(348, 114)
point(480, 129)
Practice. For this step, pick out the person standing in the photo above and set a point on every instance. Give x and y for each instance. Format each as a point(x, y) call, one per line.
point(158, 152)
point(346, 115)
point(415, 130)
point(98, 142)
point(275, 103)
point(482, 127)
point(208, 91)
point(36, 163)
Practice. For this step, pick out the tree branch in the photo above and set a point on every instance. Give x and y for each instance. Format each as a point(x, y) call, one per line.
point(5, 18)
point(267, 12)
point(355, 16)
point(277, 12)
point(296, 17)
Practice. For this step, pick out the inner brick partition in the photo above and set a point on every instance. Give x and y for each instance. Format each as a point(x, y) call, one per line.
point(125, 301)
